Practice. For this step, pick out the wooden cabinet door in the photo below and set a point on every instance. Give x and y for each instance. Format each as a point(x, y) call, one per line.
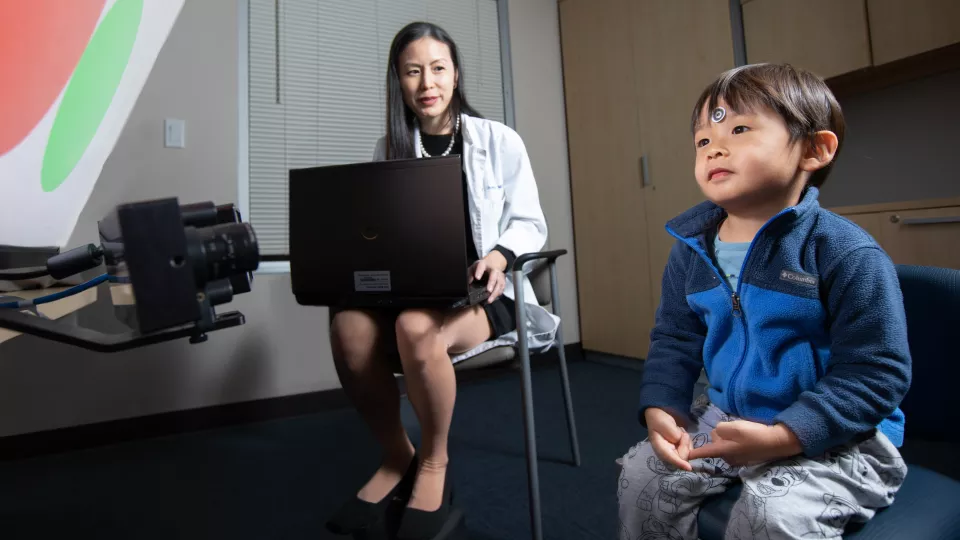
point(925, 233)
point(928, 237)
point(610, 227)
point(827, 37)
point(680, 47)
point(901, 28)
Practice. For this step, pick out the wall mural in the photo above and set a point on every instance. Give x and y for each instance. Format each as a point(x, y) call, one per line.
point(70, 73)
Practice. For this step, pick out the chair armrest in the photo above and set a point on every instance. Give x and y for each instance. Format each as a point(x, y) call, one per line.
point(549, 256)
point(550, 259)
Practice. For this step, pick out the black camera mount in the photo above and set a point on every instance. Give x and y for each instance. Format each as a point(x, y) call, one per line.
point(181, 262)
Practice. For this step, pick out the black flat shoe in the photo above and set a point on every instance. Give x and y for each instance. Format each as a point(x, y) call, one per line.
point(423, 525)
point(357, 515)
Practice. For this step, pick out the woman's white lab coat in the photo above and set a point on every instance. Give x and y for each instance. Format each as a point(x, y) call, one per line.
point(505, 209)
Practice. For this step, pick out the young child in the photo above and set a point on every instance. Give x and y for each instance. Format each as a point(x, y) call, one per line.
point(795, 314)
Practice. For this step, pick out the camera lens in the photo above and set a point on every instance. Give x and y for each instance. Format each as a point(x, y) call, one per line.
point(228, 213)
point(206, 214)
point(199, 214)
point(222, 251)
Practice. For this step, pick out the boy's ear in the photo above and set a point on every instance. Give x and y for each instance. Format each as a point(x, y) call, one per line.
point(820, 151)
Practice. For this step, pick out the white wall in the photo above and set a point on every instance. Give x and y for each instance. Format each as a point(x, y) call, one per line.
point(541, 121)
point(283, 349)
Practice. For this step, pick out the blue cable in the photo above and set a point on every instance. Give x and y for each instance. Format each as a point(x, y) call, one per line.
point(62, 294)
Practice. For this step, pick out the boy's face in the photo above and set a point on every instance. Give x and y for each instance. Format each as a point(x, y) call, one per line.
point(747, 161)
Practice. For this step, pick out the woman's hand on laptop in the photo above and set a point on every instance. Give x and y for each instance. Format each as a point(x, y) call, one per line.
point(492, 266)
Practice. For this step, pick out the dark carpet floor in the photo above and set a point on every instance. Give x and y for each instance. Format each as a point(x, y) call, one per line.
point(281, 479)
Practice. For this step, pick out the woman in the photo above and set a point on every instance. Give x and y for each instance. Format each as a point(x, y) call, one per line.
point(428, 115)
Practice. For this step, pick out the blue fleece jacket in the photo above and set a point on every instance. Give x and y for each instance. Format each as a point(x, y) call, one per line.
point(814, 336)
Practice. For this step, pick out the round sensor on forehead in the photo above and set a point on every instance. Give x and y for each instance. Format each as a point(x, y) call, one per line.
point(718, 114)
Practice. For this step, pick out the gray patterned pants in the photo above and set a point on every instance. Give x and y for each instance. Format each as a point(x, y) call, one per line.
point(792, 498)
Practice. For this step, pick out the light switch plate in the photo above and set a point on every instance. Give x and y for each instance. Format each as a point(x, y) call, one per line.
point(174, 133)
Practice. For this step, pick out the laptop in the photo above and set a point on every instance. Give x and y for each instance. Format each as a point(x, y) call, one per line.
point(380, 234)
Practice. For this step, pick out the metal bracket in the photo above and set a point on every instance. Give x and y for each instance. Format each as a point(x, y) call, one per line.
point(93, 340)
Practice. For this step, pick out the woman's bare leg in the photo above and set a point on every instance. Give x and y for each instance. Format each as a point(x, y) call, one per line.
point(426, 339)
point(356, 337)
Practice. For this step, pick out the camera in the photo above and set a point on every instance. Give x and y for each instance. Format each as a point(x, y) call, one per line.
point(180, 261)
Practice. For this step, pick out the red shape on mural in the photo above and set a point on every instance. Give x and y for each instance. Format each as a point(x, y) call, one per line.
point(41, 42)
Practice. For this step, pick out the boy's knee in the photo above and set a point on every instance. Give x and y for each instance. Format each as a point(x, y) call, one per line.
point(647, 506)
point(756, 516)
point(642, 461)
point(638, 461)
point(639, 479)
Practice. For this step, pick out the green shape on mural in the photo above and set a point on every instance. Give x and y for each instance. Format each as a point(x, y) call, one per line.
point(90, 91)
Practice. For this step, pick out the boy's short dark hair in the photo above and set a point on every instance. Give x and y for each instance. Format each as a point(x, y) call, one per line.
point(801, 98)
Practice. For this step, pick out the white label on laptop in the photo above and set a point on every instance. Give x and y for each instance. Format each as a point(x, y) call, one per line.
point(372, 281)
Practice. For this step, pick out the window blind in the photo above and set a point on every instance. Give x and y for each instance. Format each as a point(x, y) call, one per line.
point(316, 88)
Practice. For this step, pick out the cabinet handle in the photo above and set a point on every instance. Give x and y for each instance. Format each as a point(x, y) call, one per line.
point(644, 171)
point(924, 221)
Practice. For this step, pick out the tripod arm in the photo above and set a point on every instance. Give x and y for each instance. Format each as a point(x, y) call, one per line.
point(93, 340)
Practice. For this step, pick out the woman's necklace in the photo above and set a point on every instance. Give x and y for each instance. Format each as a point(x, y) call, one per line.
point(453, 137)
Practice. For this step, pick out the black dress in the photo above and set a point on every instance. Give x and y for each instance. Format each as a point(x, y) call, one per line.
point(501, 312)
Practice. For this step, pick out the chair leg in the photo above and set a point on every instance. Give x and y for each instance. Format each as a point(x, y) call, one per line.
point(533, 479)
point(568, 401)
point(564, 376)
point(531, 433)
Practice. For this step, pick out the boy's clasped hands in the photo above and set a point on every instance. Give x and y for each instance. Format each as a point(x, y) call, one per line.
point(738, 442)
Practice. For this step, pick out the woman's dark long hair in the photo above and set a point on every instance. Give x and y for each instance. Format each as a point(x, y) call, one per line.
point(400, 118)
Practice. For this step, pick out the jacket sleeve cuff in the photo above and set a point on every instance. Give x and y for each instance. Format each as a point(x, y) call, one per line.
point(507, 254)
point(811, 428)
point(664, 397)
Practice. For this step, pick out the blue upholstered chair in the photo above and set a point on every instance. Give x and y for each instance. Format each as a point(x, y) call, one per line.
point(928, 504)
